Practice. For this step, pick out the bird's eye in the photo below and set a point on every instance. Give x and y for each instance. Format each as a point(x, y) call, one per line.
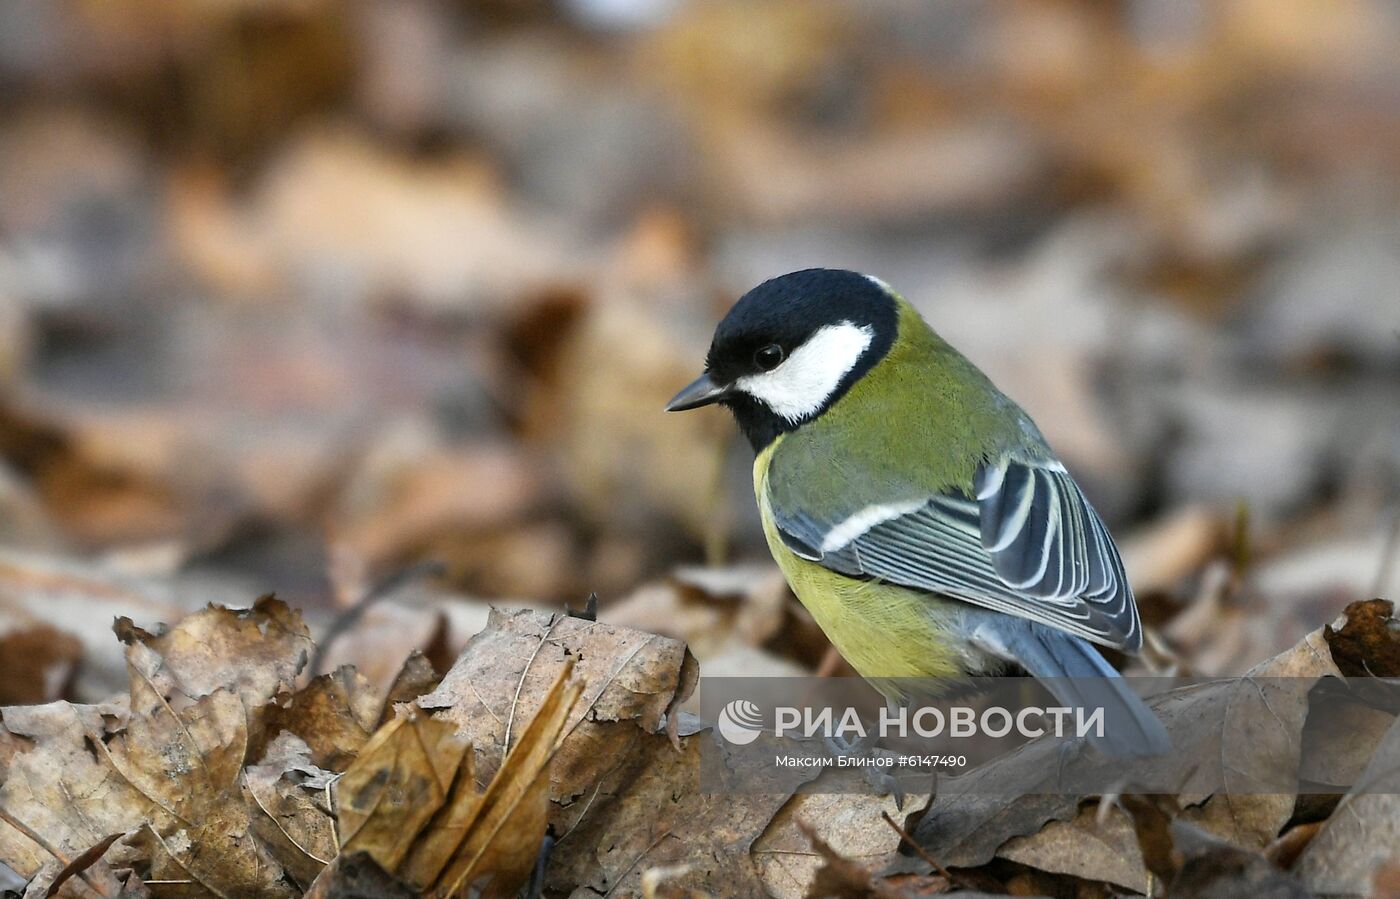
point(768, 357)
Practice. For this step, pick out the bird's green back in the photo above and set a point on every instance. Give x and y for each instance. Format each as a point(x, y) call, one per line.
point(918, 423)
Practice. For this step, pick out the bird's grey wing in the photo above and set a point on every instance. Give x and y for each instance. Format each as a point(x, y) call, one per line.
point(1027, 543)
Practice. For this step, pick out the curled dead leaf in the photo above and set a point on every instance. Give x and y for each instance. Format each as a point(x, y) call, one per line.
point(399, 780)
point(410, 801)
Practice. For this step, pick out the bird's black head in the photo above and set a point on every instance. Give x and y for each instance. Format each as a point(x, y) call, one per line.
point(791, 347)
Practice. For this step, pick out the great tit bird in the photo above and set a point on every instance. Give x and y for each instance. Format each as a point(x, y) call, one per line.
point(916, 511)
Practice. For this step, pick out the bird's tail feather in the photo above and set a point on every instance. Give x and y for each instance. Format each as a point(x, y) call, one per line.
point(1078, 676)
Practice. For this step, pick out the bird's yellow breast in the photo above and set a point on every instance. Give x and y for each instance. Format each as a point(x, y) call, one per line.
point(883, 630)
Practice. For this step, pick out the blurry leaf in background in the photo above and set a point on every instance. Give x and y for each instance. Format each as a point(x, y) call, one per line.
point(712, 609)
point(36, 664)
point(623, 456)
point(333, 204)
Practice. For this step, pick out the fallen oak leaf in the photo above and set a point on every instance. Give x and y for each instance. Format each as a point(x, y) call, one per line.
point(181, 760)
point(186, 757)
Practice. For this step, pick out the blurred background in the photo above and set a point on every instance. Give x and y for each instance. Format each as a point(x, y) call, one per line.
point(296, 295)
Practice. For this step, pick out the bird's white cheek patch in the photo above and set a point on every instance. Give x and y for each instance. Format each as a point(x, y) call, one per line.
point(802, 384)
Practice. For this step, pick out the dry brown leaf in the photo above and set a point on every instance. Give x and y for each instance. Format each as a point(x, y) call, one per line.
point(1366, 642)
point(1192, 863)
point(1084, 847)
point(403, 494)
point(1211, 868)
point(57, 787)
point(415, 678)
point(438, 231)
point(251, 651)
point(379, 641)
point(81, 599)
point(1262, 732)
point(168, 766)
point(183, 755)
point(89, 868)
point(498, 682)
point(186, 757)
point(1363, 834)
point(843, 878)
point(36, 664)
point(411, 803)
point(437, 845)
point(1160, 556)
point(626, 798)
point(93, 498)
point(503, 837)
point(649, 811)
point(1152, 818)
point(848, 823)
point(290, 813)
point(621, 462)
point(1284, 851)
point(356, 875)
point(711, 609)
point(334, 713)
point(399, 780)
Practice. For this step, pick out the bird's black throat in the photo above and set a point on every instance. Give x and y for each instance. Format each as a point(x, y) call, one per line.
point(759, 424)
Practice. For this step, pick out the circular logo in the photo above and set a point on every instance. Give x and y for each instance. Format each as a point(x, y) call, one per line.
point(740, 722)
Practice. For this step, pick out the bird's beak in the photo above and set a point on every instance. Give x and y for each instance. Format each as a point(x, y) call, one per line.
point(700, 392)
